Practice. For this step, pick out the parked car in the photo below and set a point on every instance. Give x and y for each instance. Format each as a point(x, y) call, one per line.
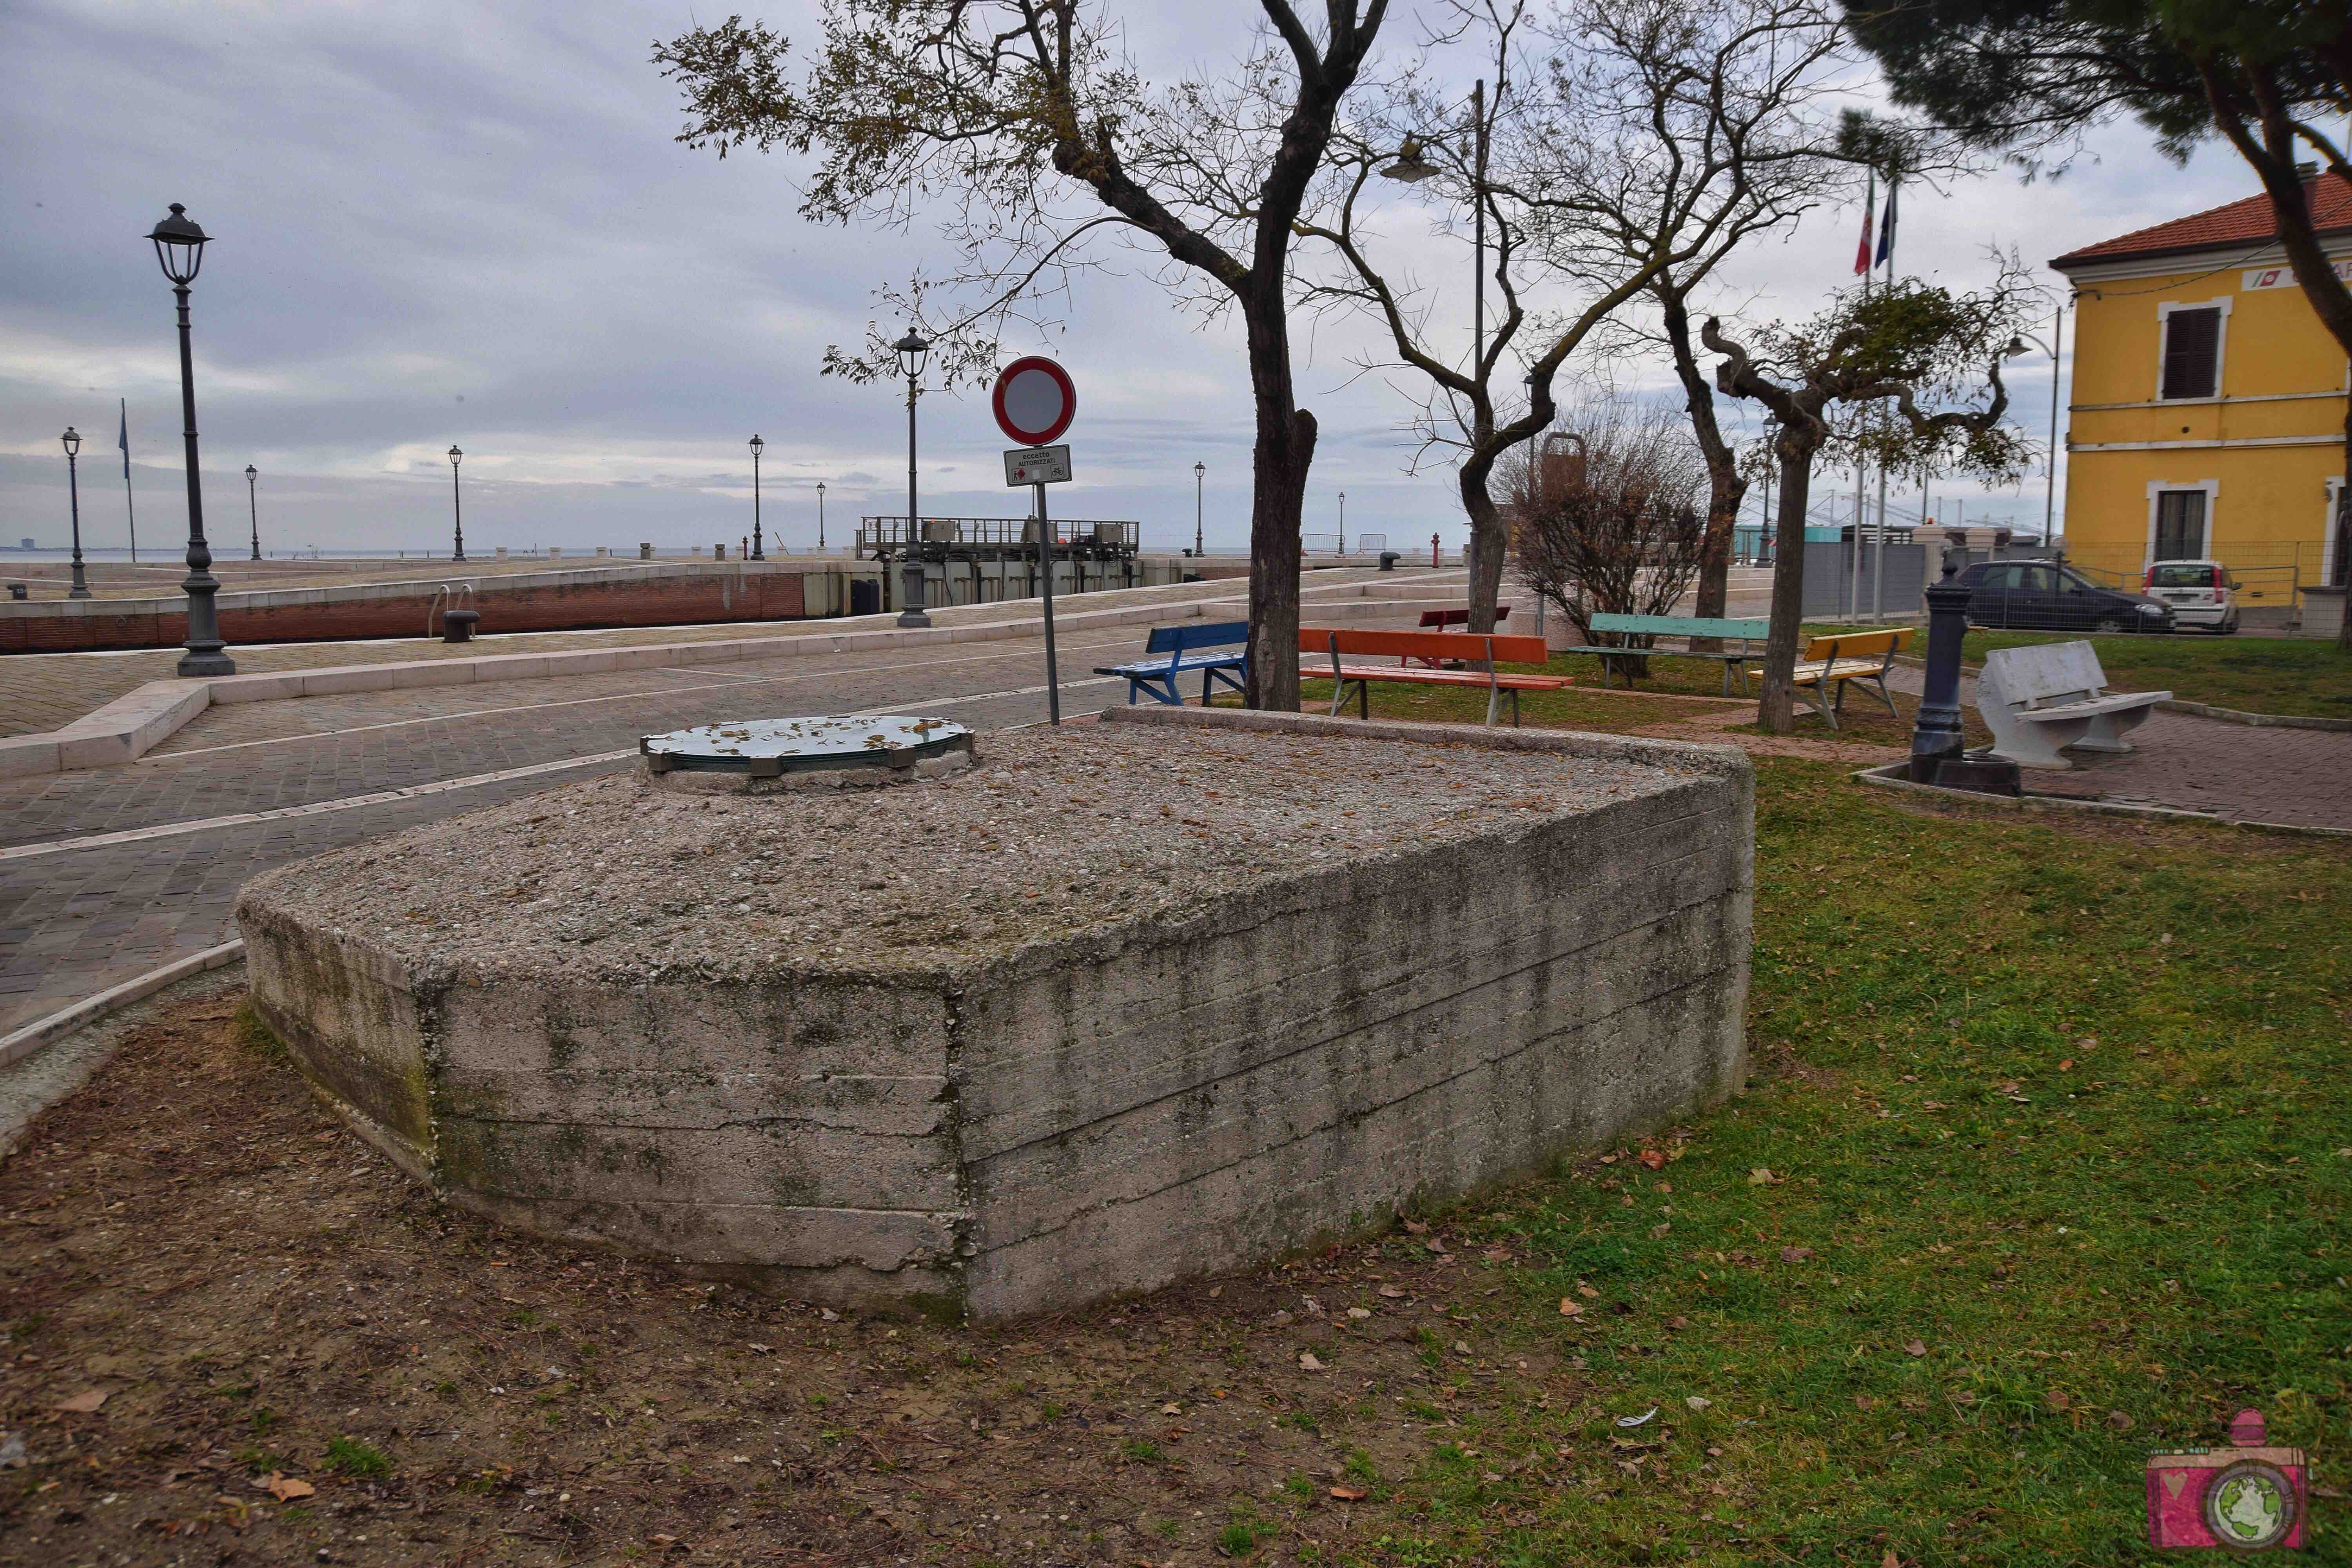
point(2040, 595)
point(2200, 592)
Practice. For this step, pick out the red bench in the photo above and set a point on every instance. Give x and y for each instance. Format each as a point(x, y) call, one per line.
point(1416, 653)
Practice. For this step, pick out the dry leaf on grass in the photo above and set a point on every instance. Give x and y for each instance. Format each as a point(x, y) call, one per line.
point(286, 1488)
point(1913, 1347)
point(1655, 1158)
point(1795, 1254)
point(1351, 1494)
point(2119, 1421)
point(1761, 1176)
point(1890, 1560)
point(84, 1403)
point(1306, 1361)
point(1394, 1293)
point(1416, 1227)
point(1570, 1307)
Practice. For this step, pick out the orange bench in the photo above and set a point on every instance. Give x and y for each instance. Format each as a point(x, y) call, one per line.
point(1416, 653)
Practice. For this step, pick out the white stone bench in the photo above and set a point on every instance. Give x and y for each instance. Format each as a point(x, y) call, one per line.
point(2039, 700)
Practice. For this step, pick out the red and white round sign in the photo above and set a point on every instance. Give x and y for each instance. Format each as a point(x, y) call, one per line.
point(1034, 401)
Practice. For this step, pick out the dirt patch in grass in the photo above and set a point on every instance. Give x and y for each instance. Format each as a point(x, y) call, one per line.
point(233, 1329)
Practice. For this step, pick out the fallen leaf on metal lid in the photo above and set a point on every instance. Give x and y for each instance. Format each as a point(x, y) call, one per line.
point(1637, 1420)
point(1351, 1494)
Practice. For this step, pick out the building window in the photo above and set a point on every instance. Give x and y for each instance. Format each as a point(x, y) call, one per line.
point(2193, 352)
point(2181, 524)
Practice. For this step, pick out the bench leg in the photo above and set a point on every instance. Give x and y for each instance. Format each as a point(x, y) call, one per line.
point(1515, 708)
point(2038, 744)
point(1884, 697)
point(1364, 699)
point(2107, 731)
point(1820, 704)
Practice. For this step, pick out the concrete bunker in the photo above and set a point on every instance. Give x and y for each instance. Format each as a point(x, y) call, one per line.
point(1110, 1007)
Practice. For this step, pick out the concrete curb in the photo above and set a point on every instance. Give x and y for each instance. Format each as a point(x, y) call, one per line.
point(1888, 776)
point(128, 727)
point(2258, 720)
point(21, 1043)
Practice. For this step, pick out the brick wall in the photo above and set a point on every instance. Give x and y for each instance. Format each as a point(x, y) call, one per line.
point(540, 606)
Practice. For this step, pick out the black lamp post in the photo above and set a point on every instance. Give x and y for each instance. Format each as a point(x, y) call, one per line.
point(1200, 473)
point(758, 551)
point(820, 517)
point(912, 351)
point(253, 507)
point(72, 439)
point(457, 501)
point(180, 249)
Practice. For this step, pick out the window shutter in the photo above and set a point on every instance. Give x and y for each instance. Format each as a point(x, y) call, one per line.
point(2192, 352)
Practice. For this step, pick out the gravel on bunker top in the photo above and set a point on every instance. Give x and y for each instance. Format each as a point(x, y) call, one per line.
point(1050, 835)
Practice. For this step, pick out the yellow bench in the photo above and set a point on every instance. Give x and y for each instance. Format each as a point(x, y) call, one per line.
point(1834, 661)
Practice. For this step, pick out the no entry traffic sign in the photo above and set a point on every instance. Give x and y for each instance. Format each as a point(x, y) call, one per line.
point(1034, 401)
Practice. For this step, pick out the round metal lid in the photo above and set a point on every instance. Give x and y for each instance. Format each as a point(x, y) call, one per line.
point(770, 746)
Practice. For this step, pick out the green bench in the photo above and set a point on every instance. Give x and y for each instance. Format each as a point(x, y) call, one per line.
point(1744, 632)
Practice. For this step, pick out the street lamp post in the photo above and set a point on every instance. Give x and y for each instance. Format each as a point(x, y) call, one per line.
point(912, 350)
point(180, 250)
point(820, 517)
point(72, 439)
point(758, 551)
point(2049, 463)
point(1343, 522)
point(1200, 474)
point(457, 501)
point(253, 507)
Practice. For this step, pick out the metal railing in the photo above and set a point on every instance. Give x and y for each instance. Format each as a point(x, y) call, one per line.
point(879, 535)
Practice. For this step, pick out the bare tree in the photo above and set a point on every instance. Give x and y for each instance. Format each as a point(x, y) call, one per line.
point(1614, 528)
point(1908, 340)
point(1648, 136)
point(1034, 131)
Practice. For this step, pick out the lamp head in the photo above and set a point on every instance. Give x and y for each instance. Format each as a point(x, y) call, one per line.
point(251, 473)
point(1410, 166)
point(912, 351)
point(758, 445)
point(820, 487)
point(72, 440)
point(456, 456)
point(179, 245)
point(2016, 346)
point(1199, 469)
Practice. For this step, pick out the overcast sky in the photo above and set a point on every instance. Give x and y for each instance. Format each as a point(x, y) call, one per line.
point(440, 223)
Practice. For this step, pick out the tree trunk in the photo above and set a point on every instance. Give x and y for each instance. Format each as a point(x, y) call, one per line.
point(1493, 544)
point(1777, 710)
point(1725, 488)
point(1279, 466)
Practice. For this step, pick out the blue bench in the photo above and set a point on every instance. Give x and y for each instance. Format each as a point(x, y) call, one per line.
point(1190, 649)
point(1743, 631)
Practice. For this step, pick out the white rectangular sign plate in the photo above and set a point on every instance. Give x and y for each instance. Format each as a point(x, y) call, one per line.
point(1037, 466)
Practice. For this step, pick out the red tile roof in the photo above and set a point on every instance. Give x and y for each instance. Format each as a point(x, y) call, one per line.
point(2249, 223)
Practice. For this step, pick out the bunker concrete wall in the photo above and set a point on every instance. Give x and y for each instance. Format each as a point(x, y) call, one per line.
point(1291, 1060)
point(1303, 1061)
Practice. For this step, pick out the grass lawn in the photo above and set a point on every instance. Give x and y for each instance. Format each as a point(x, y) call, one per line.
point(2255, 675)
point(2044, 1162)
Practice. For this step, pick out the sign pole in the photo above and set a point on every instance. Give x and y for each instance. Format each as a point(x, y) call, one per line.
point(1046, 559)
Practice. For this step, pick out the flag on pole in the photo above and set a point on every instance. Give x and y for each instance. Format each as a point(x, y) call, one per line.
point(1886, 230)
point(130, 510)
point(1869, 222)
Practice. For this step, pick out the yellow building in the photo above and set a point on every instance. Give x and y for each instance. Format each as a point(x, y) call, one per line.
point(2208, 402)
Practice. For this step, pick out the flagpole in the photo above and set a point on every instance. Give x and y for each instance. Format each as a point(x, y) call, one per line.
point(123, 440)
point(1862, 463)
point(1878, 556)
